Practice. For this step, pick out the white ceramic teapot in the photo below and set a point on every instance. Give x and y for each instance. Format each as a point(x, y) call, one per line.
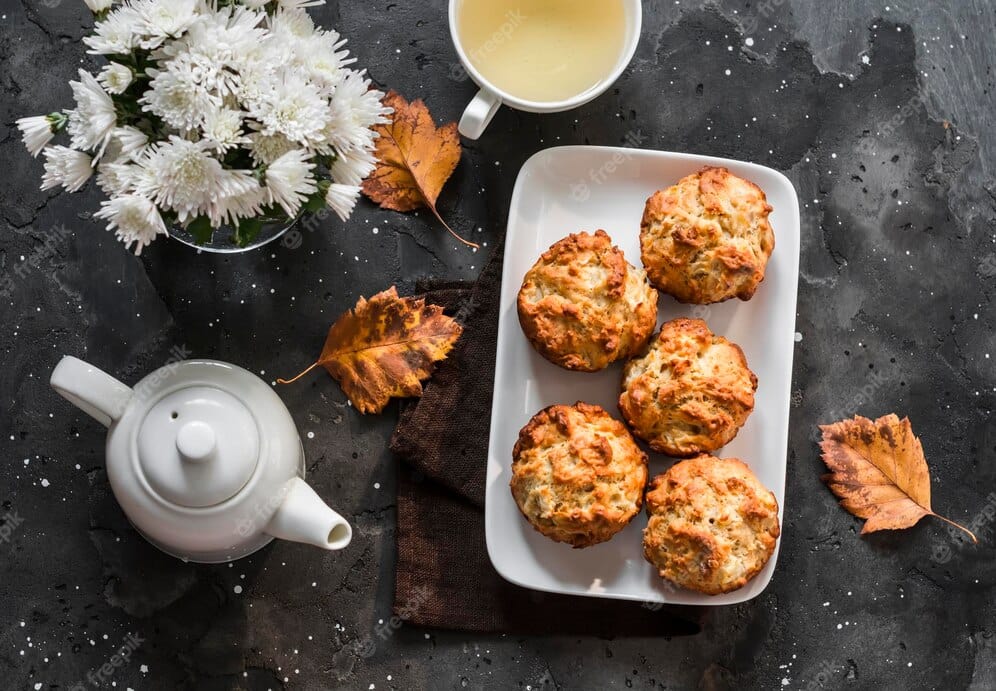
point(204, 458)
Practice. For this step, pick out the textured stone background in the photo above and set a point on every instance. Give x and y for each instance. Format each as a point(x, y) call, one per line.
point(895, 314)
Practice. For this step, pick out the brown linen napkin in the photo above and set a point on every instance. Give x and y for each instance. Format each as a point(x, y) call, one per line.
point(444, 576)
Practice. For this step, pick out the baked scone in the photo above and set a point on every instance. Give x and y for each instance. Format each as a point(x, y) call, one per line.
point(582, 306)
point(713, 525)
point(577, 474)
point(691, 392)
point(707, 239)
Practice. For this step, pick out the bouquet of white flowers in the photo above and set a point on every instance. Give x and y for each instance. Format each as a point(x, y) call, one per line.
point(212, 113)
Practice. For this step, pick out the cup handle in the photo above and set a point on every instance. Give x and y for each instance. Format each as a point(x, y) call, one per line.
point(479, 113)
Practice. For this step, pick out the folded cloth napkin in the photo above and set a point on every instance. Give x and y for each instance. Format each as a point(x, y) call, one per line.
point(444, 576)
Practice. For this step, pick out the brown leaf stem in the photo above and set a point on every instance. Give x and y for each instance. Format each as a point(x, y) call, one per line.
point(294, 379)
point(956, 525)
point(432, 207)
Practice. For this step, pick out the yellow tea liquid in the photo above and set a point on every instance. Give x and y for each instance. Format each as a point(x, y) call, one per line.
point(543, 50)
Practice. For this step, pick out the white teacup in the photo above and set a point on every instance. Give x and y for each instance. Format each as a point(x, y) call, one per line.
point(485, 104)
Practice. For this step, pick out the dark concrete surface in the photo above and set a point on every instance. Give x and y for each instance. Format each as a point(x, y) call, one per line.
point(881, 112)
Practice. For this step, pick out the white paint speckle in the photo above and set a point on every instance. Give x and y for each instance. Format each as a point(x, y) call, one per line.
point(798, 336)
point(237, 589)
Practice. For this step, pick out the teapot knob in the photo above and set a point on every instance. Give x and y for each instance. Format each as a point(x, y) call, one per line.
point(196, 442)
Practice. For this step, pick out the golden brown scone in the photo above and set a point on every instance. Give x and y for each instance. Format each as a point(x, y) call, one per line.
point(577, 474)
point(583, 306)
point(712, 526)
point(707, 239)
point(690, 392)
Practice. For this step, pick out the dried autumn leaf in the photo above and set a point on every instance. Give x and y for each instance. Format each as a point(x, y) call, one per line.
point(384, 348)
point(879, 472)
point(414, 159)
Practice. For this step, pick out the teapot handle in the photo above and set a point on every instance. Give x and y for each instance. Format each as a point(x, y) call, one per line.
point(96, 393)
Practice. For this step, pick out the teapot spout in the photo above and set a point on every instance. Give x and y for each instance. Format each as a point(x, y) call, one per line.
point(304, 517)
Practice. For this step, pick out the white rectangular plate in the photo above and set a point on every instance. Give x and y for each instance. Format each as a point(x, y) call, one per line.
point(567, 189)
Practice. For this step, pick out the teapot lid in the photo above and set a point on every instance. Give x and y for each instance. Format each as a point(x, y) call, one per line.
point(198, 446)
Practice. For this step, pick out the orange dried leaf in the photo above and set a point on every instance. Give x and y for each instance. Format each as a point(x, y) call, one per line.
point(384, 348)
point(414, 159)
point(879, 472)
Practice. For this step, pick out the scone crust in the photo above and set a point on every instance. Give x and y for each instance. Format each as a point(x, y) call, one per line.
point(707, 239)
point(690, 393)
point(582, 306)
point(713, 525)
point(578, 475)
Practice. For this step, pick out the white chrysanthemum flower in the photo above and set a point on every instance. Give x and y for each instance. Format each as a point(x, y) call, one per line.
point(342, 199)
point(223, 129)
point(243, 197)
point(289, 181)
point(352, 167)
point(182, 176)
point(253, 82)
point(228, 39)
point(117, 178)
point(115, 78)
point(91, 123)
point(117, 34)
point(131, 141)
point(67, 167)
point(299, 4)
point(321, 57)
point(353, 110)
point(176, 97)
point(221, 45)
point(38, 130)
point(256, 4)
point(136, 219)
point(267, 148)
point(290, 24)
point(99, 5)
point(293, 107)
point(163, 19)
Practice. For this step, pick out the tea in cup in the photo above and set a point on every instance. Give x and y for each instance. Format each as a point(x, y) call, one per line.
point(541, 56)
